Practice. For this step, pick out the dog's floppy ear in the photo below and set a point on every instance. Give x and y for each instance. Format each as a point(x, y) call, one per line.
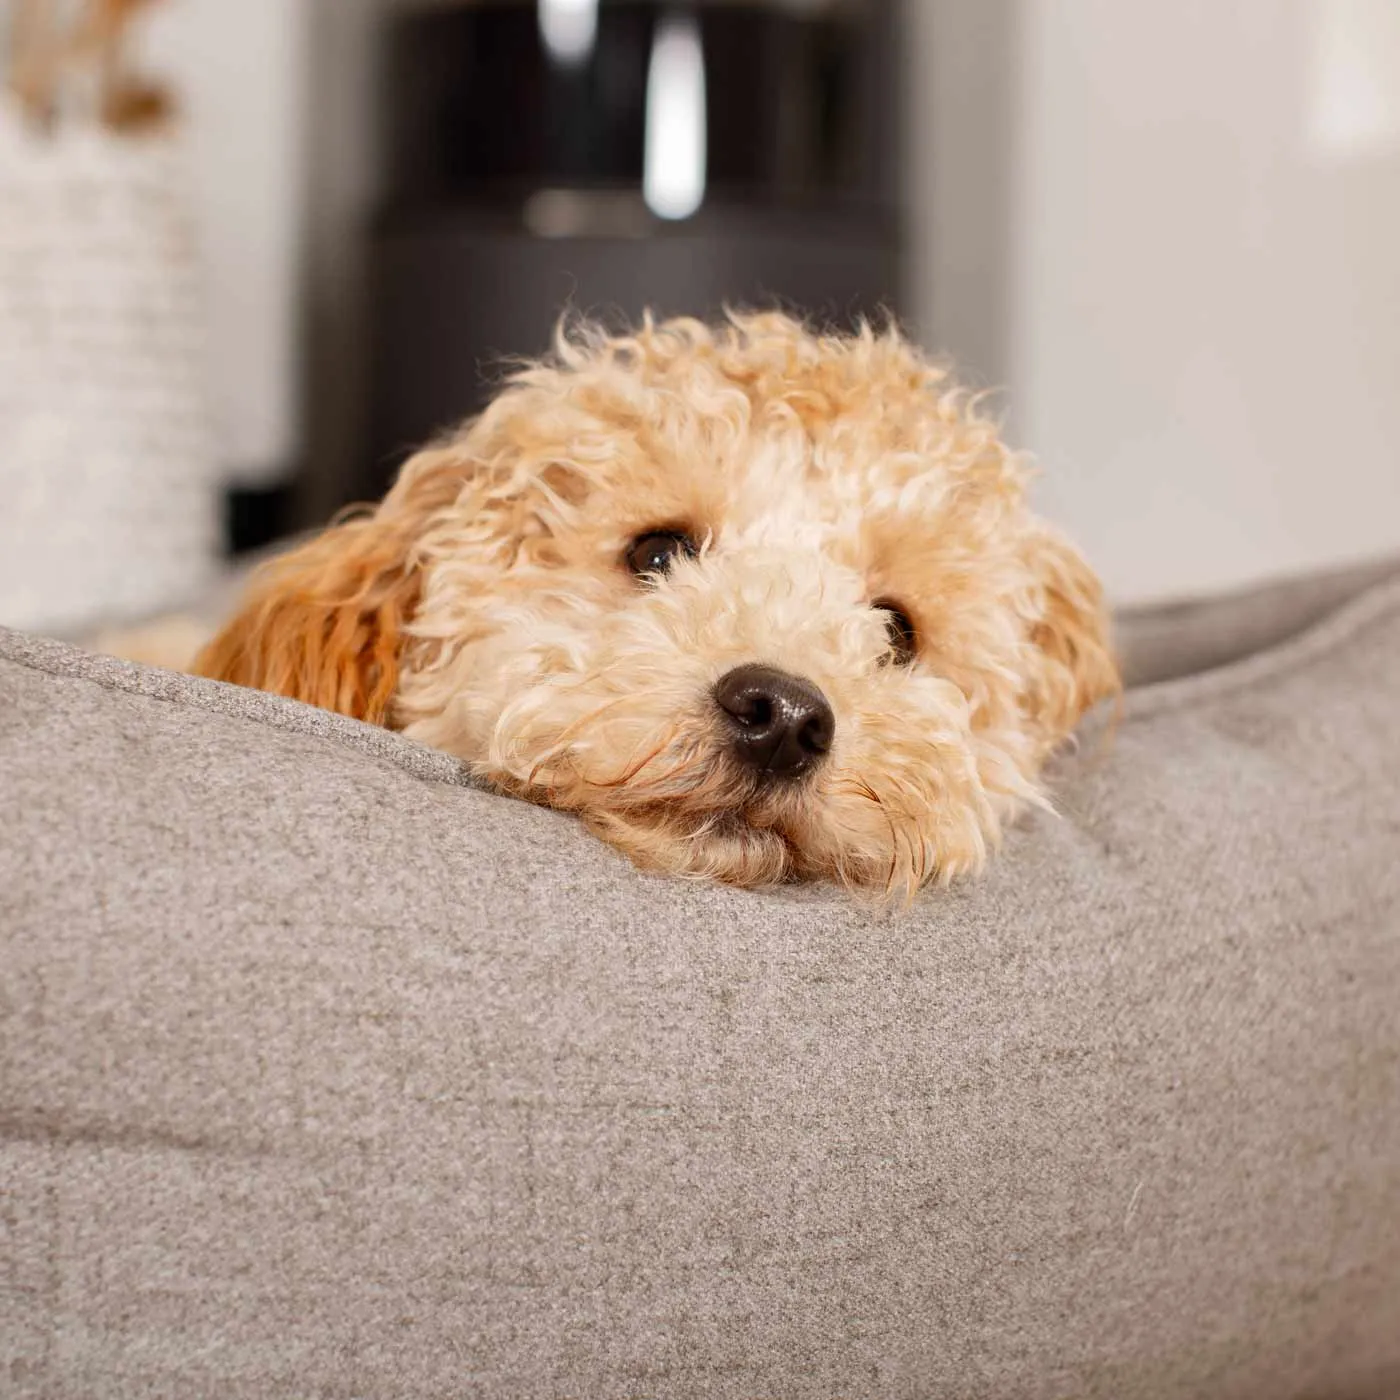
point(1074, 665)
point(325, 623)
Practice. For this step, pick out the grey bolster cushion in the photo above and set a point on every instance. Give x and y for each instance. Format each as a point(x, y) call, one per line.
point(325, 1073)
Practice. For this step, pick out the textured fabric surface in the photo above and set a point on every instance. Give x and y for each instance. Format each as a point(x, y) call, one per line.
point(1162, 641)
point(323, 1073)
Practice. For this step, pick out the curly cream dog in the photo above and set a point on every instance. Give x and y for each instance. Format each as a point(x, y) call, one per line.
point(755, 603)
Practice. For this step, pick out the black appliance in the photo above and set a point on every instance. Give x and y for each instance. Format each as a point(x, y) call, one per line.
point(606, 156)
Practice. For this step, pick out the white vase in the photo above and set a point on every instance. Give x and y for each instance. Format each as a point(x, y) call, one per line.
point(109, 491)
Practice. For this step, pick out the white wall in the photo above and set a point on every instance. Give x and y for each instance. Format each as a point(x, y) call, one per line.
point(1199, 325)
point(961, 77)
point(280, 98)
point(241, 68)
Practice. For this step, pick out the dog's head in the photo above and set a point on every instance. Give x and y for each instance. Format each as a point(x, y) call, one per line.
point(755, 603)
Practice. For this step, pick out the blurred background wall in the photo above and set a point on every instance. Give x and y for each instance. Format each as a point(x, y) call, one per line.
point(1193, 290)
point(1168, 232)
point(245, 76)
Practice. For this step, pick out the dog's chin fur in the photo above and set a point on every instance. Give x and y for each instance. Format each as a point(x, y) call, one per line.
point(484, 607)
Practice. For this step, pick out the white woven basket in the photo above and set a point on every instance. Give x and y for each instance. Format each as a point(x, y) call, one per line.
point(108, 483)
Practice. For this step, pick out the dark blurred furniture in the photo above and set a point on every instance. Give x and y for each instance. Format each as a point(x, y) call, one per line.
point(513, 187)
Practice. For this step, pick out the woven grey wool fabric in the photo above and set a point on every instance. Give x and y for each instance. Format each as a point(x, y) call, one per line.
point(324, 1073)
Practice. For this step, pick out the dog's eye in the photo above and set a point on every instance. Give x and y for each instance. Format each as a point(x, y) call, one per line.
point(904, 640)
point(655, 551)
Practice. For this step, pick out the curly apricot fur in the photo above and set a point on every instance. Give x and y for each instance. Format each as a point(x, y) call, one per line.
point(483, 607)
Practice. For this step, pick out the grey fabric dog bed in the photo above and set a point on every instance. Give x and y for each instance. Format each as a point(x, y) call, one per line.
point(328, 1074)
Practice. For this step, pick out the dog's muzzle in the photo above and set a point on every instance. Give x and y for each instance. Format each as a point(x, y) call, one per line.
point(779, 725)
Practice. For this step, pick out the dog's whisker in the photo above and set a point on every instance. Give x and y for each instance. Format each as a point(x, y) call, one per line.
point(680, 770)
point(581, 722)
point(623, 779)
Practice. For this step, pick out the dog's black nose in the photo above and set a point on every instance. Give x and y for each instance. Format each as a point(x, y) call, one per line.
point(780, 724)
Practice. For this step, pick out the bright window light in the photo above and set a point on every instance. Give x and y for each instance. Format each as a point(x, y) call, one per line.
point(1354, 77)
point(569, 29)
point(673, 172)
